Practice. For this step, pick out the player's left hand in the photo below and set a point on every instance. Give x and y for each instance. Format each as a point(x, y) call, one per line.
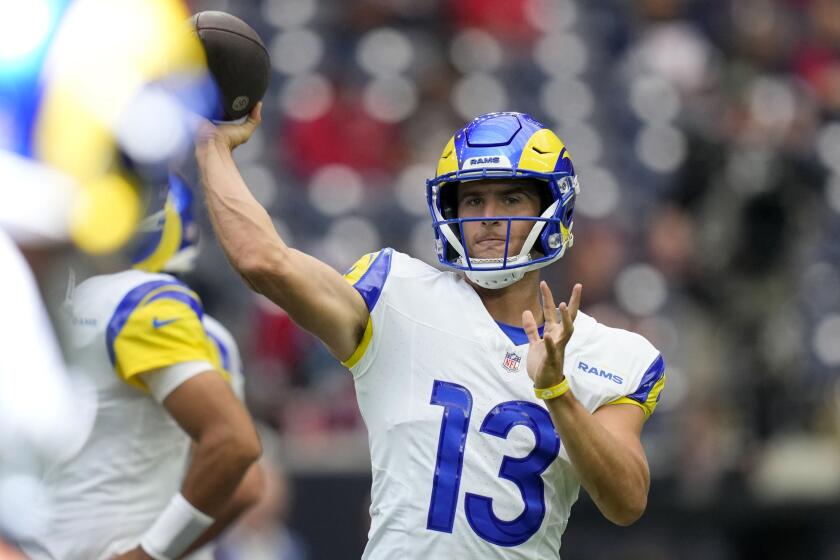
point(546, 353)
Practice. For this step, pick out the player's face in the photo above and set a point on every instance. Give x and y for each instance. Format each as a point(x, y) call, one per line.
point(494, 198)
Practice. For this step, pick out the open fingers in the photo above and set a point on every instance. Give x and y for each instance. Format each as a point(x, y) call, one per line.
point(550, 349)
point(549, 310)
point(568, 321)
point(574, 300)
point(530, 326)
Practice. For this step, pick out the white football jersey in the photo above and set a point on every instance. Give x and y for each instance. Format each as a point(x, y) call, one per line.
point(103, 499)
point(38, 416)
point(466, 462)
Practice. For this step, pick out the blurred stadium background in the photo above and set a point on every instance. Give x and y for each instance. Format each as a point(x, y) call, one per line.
point(706, 134)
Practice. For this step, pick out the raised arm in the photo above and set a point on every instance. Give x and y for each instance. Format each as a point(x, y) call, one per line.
point(313, 294)
point(605, 447)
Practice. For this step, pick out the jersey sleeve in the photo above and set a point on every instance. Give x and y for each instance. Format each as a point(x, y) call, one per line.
point(649, 388)
point(163, 328)
point(368, 276)
point(228, 350)
point(161, 382)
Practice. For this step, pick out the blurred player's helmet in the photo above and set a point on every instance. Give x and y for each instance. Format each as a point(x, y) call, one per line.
point(78, 83)
point(504, 146)
point(167, 239)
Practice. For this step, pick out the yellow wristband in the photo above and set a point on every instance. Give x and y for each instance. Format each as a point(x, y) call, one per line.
point(553, 392)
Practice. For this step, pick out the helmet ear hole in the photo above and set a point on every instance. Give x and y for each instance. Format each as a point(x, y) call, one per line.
point(546, 198)
point(449, 201)
point(568, 213)
point(448, 196)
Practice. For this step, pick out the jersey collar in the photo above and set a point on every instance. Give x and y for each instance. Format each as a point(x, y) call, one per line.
point(516, 334)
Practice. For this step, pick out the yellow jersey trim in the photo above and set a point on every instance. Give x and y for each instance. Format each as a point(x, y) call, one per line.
point(360, 267)
point(650, 403)
point(360, 350)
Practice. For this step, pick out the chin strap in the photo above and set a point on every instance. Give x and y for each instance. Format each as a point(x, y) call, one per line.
point(495, 279)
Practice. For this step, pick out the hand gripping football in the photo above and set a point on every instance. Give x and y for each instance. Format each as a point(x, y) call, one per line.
point(237, 60)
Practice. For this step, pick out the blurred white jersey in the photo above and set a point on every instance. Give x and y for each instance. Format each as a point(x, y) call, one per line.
point(466, 462)
point(135, 336)
point(38, 421)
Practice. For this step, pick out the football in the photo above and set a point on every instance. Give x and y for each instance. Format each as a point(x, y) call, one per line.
point(237, 60)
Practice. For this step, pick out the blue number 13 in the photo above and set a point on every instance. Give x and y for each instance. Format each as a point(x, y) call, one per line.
point(525, 472)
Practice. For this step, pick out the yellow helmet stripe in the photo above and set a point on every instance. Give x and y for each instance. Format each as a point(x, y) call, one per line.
point(170, 240)
point(541, 152)
point(448, 159)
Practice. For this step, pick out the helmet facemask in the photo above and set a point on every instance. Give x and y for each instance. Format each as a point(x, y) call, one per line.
point(545, 243)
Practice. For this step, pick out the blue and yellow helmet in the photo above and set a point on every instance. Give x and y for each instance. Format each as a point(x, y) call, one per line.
point(167, 239)
point(504, 146)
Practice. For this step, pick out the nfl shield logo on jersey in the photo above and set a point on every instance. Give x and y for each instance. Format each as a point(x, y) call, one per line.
point(511, 362)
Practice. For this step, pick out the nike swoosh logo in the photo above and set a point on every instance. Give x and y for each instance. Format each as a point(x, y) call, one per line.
point(156, 323)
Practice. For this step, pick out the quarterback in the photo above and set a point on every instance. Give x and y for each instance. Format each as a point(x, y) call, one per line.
point(487, 406)
point(169, 460)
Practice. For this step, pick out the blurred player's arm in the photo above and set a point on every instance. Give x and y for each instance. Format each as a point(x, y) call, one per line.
point(220, 483)
point(247, 494)
point(226, 443)
point(604, 447)
point(313, 294)
point(163, 348)
point(253, 485)
point(225, 447)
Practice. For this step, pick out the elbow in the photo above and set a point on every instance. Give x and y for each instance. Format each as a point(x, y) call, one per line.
point(260, 268)
point(248, 448)
point(237, 449)
point(629, 512)
point(630, 499)
point(253, 486)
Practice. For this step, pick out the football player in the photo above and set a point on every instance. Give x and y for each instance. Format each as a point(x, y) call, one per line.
point(37, 417)
point(169, 460)
point(487, 406)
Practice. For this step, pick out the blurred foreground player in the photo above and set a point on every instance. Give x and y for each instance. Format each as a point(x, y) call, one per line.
point(164, 374)
point(471, 456)
point(37, 420)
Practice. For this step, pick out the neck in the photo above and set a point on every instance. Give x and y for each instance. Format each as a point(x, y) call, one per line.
point(506, 304)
